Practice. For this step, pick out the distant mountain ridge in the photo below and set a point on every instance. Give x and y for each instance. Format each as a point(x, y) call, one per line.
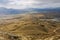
point(18, 11)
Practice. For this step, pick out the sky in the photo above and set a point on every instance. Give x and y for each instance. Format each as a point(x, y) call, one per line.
point(24, 4)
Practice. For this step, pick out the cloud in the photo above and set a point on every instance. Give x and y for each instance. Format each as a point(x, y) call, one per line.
point(22, 4)
point(4, 1)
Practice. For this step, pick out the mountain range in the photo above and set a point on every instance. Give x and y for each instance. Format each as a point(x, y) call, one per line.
point(19, 11)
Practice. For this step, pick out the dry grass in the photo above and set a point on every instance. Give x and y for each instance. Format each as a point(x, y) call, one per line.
point(30, 26)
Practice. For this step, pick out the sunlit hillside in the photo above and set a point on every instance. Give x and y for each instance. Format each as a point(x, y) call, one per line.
point(30, 27)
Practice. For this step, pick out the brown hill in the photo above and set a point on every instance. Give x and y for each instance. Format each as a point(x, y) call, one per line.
point(33, 26)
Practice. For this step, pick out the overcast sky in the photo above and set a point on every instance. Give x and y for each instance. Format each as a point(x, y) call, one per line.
point(22, 4)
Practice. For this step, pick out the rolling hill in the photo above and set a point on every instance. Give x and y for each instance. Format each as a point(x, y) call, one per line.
point(38, 26)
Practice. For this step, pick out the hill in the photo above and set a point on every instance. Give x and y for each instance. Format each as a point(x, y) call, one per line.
point(36, 26)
